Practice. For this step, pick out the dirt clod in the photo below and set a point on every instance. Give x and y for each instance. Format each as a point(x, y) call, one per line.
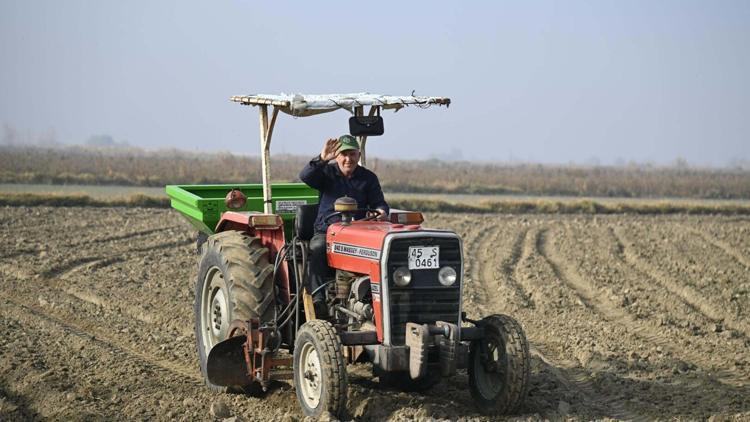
point(219, 409)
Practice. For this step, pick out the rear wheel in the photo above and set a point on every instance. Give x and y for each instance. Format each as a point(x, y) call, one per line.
point(319, 370)
point(499, 366)
point(235, 281)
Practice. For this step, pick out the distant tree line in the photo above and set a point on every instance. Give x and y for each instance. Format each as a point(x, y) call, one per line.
point(135, 167)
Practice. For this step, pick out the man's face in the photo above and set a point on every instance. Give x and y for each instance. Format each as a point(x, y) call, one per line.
point(347, 161)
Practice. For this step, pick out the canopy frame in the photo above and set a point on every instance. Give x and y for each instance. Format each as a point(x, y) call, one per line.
point(301, 106)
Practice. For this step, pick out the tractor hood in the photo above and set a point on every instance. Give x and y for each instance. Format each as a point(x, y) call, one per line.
point(358, 247)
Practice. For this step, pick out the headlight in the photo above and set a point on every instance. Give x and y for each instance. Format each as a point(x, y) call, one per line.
point(402, 276)
point(447, 276)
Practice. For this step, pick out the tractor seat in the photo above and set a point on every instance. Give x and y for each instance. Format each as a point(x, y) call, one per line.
point(304, 221)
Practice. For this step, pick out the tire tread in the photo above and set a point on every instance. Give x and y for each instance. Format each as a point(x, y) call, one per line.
point(332, 362)
point(519, 365)
point(249, 280)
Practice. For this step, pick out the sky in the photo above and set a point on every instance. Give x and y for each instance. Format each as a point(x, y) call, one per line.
point(598, 82)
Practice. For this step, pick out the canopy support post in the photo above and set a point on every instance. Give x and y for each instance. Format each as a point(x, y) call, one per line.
point(362, 140)
point(266, 132)
point(360, 111)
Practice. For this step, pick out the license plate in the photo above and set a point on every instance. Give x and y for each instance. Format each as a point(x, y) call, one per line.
point(424, 257)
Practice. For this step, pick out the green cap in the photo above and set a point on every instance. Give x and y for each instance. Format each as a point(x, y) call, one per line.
point(348, 142)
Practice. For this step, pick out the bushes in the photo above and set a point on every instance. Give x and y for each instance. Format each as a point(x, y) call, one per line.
point(551, 206)
point(132, 167)
point(538, 206)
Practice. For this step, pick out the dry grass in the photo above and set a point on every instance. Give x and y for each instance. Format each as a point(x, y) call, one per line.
point(539, 206)
point(135, 167)
point(29, 199)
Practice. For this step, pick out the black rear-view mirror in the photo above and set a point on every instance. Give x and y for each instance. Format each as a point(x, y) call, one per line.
point(366, 126)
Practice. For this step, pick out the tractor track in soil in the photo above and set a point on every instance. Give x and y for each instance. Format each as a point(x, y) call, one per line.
point(131, 355)
point(88, 329)
point(107, 294)
point(572, 378)
point(482, 269)
point(725, 247)
point(62, 272)
point(598, 301)
point(625, 257)
point(577, 376)
point(92, 263)
point(116, 238)
point(689, 294)
point(509, 267)
point(579, 380)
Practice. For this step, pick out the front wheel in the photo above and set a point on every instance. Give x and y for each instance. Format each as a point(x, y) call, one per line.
point(319, 370)
point(499, 366)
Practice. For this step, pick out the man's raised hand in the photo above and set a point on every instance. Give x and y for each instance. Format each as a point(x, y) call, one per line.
point(329, 149)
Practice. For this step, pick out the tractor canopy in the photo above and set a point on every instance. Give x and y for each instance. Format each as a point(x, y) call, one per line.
point(203, 205)
point(300, 105)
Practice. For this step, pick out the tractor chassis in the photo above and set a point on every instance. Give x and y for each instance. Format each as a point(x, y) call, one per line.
point(251, 352)
point(425, 339)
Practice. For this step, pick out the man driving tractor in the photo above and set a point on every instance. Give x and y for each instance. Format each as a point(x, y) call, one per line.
point(345, 177)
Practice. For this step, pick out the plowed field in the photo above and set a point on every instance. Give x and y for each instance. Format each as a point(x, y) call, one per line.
point(628, 318)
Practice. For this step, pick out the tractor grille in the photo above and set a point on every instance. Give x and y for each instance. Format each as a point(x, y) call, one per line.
point(424, 300)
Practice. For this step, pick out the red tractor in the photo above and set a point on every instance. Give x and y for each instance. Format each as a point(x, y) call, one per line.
point(395, 300)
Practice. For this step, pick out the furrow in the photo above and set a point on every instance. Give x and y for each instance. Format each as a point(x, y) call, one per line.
point(14, 272)
point(96, 262)
point(89, 296)
point(579, 377)
point(579, 380)
point(574, 379)
point(166, 367)
point(719, 244)
point(598, 301)
point(620, 256)
point(478, 256)
point(583, 290)
point(166, 245)
point(115, 238)
point(68, 267)
point(687, 293)
point(509, 268)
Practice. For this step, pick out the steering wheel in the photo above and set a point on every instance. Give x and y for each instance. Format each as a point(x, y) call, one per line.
point(338, 213)
point(329, 216)
point(376, 214)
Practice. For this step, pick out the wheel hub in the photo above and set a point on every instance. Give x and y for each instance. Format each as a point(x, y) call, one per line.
point(214, 309)
point(311, 379)
point(218, 313)
point(491, 377)
point(492, 360)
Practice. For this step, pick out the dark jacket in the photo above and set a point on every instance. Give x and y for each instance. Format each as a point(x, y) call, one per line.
point(363, 186)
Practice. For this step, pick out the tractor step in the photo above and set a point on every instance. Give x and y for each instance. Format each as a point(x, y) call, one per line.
point(284, 374)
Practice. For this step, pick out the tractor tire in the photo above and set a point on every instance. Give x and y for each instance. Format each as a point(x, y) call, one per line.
point(235, 281)
point(320, 378)
point(499, 366)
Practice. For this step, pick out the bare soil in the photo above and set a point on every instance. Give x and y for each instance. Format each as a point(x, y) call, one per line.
point(628, 318)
